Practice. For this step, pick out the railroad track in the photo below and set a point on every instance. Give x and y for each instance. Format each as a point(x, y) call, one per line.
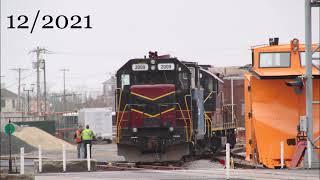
point(135, 166)
point(238, 162)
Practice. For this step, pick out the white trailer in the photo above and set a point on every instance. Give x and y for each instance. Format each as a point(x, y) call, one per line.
point(99, 121)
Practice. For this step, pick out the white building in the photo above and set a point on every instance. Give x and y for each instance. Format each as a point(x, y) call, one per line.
point(109, 87)
point(9, 101)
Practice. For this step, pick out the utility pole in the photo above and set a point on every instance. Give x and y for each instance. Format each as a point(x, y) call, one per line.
point(43, 67)
point(0, 100)
point(38, 51)
point(28, 97)
point(24, 96)
point(309, 4)
point(19, 70)
point(64, 88)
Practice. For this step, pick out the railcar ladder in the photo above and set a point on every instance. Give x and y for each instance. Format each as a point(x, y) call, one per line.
point(298, 154)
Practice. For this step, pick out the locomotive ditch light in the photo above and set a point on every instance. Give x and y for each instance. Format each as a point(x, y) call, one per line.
point(171, 128)
point(134, 130)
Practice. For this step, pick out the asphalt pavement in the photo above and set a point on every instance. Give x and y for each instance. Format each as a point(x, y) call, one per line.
point(187, 174)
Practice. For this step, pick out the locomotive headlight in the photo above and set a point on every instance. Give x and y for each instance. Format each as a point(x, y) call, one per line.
point(170, 129)
point(153, 61)
point(153, 67)
point(134, 130)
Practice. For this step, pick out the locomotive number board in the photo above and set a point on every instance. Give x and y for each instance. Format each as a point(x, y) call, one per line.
point(140, 67)
point(166, 66)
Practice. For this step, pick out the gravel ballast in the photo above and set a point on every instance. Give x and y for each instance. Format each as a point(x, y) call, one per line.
point(203, 164)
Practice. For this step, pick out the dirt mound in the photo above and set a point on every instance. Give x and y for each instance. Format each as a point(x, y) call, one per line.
point(16, 144)
point(35, 137)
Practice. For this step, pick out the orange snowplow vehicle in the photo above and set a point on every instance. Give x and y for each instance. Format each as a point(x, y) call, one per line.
point(275, 103)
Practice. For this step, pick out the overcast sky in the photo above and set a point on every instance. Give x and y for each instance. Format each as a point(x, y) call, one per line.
point(219, 33)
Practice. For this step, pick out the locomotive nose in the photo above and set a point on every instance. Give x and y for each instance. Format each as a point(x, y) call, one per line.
point(152, 92)
point(158, 105)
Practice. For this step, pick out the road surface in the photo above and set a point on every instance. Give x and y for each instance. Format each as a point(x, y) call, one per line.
point(187, 174)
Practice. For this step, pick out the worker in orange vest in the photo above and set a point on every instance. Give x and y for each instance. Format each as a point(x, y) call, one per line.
point(78, 139)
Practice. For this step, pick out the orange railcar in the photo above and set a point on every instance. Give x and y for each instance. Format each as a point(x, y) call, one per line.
point(275, 102)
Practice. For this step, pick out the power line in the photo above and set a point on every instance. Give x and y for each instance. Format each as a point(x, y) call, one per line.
point(23, 78)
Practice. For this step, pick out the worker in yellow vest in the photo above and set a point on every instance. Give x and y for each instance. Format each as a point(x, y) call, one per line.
point(87, 136)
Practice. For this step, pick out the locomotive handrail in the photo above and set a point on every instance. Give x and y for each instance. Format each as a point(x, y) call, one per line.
point(209, 96)
point(229, 111)
point(186, 103)
point(119, 124)
point(207, 129)
point(186, 124)
point(209, 121)
point(117, 103)
point(117, 108)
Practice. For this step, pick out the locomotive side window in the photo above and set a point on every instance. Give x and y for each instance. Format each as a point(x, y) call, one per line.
point(125, 80)
point(193, 77)
point(314, 62)
point(185, 75)
point(276, 59)
point(207, 82)
point(183, 80)
point(210, 84)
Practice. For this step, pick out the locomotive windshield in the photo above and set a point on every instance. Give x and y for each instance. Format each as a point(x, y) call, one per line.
point(153, 77)
point(152, 72)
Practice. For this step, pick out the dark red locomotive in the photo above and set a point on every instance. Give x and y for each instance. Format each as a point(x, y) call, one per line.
point(165, 109)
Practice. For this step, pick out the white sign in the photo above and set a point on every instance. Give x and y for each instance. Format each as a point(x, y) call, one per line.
point(166, 66)
point(140, 67)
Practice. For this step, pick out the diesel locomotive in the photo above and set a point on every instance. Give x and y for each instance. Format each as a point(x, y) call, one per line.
point(165, 109)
